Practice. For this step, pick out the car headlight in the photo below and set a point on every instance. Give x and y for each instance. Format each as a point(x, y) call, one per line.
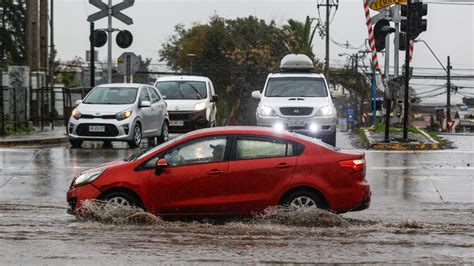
point(76, 114)
point(266, 111)
point(123, 115)
point(88, 176)
point(200, 106)
point(326, 111)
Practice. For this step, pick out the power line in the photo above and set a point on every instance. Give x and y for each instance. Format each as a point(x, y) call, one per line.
point(449, 3)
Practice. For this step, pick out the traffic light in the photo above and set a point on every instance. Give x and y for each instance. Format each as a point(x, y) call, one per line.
point(417, 23)
point(381, 30)
point(402, 43)
point(124, 39)
point(100, 38)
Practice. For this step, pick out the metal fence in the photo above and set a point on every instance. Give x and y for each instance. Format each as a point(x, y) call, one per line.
point(45, 107)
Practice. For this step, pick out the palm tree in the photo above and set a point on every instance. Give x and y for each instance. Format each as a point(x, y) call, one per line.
point(300, 36)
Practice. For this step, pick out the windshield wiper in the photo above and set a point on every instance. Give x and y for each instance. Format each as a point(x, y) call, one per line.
point(197, 92)
point(134, 156)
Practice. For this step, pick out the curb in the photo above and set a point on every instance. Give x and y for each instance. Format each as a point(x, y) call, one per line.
point(403, 146)
point(34, 141)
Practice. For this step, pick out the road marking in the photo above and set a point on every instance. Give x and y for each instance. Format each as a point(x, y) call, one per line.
point(418, 167)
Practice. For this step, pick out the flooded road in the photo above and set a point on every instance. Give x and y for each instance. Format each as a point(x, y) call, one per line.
point(422, 211)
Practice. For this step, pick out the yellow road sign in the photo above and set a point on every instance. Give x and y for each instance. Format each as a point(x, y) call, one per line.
point(380, 4)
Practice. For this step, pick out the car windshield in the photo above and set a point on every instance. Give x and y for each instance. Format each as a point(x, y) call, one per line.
point(296, 87)
point(111, 95)
point(182, 90)
point(150, 151)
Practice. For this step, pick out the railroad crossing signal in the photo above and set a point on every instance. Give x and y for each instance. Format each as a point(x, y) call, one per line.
point(116, 11)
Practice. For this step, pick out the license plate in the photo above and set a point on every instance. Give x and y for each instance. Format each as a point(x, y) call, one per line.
point(296, 123)
point(176, 123)
point(96, 128)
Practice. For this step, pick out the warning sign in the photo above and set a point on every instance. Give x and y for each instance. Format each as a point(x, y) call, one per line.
point(381, 4)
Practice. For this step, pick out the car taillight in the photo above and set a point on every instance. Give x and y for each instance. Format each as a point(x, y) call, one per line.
point(352, 166)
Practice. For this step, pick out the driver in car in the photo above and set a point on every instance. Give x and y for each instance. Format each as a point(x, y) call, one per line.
point(218, 151)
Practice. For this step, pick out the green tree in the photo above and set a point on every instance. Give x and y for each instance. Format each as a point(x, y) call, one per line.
point(236, 54)
point(300, 36)
point(12, 35)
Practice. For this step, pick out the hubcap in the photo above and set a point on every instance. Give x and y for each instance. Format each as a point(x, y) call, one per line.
point(165, 133)
point(303, 202)
point(138, 135)
point(119, 201)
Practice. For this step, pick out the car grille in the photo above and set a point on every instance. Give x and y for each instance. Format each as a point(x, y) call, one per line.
point(296, 111)
point(98, 116)
point(110, 130)
point(180, 115)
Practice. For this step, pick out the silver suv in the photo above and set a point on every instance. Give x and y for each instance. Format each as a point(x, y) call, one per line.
point(297, 99)
point(120, 112)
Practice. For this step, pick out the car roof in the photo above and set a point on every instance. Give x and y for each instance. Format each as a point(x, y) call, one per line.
point(183, 77)
point(241, 130)
point(122, 85)
point(293, 74)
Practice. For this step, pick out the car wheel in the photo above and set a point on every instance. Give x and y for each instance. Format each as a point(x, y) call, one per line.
point(165, 134)
point(136, 137)
point(75, 143)
point(331, 140)
point(302, 199)
point(120, 198)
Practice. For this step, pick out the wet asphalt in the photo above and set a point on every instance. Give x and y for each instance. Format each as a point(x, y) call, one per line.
point(422, 212)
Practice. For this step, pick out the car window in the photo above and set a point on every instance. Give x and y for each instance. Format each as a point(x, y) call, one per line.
point(154, 95)
point(296, 87)
point(207, 150)
point(254, 148)
point(144, 95)
point(112, 95)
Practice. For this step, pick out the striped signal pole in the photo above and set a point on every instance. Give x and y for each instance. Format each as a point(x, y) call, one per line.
point(411, 46)
point(375, 61)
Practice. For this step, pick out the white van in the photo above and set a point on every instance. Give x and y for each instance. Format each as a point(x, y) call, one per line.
point(297, 99)
point(191, 102)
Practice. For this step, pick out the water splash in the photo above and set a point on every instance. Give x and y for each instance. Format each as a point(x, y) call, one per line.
point(304, 217)
point(113, 213)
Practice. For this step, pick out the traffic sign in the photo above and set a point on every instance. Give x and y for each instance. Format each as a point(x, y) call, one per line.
point(128, 63)
point(381, 4)
point(116, 11)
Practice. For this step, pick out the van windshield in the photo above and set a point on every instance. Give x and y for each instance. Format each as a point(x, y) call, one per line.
point(296, 87)
point(182, 90)
point(112, 95)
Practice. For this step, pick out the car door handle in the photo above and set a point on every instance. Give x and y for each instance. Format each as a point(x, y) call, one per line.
point(283, 165)
point(215, 172)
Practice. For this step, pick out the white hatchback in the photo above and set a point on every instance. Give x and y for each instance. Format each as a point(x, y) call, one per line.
point(191, 102)
point(120, 112)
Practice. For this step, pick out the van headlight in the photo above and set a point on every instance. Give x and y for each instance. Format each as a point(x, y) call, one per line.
point(76, 114)
point(326, 111)
point(87, 177)
point(266, 111)
point(200, 106)
point(123, 115)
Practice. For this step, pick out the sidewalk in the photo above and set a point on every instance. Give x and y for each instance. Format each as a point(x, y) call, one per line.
point(36, 137)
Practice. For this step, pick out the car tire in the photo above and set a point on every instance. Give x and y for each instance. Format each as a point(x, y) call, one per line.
point(121, 198)
point(76, 143)
point(165, 133)
point(302, 198)
point(136, 136)
point(331, 140)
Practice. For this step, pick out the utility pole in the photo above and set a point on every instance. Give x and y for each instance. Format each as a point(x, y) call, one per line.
point(51, 52)
point(328, 5)
point(92, 59)
point(407, 72)
point(396, 19)
point(448, 104)
point(109, 44)
point(43, 35)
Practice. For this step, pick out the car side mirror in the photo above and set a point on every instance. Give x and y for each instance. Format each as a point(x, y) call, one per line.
point(160, 165)
point(256, 94)
point(77, 103)
point(214, 99)
point(145, 104)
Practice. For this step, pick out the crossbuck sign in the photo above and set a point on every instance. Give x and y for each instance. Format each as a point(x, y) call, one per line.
point(116, 11)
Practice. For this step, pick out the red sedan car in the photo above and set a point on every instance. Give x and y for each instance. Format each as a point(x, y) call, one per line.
point(230, 171)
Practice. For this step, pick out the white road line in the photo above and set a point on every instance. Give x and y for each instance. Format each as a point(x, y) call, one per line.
point(418, 167)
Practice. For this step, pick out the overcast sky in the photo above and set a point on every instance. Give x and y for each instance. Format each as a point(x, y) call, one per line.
point(450, 27)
